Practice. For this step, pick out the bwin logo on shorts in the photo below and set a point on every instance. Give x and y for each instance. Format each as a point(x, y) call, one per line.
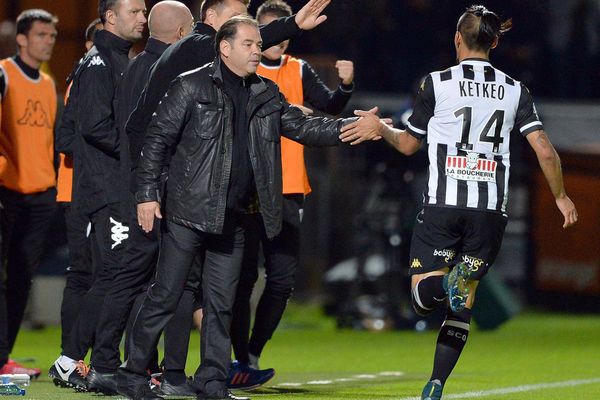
point(119, 233)
point(448, 254)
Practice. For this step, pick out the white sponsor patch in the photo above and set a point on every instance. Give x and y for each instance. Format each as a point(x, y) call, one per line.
point(471, 168)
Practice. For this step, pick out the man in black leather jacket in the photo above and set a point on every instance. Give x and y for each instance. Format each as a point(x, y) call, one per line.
point(222, 125)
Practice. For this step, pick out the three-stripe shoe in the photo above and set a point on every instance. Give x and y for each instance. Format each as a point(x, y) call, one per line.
point(432, 391)
point(456, 285)
point(242, 377)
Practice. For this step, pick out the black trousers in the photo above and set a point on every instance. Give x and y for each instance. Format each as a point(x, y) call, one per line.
point(221, 269)
point(132, 281)
point(80, 270)
point(25, 219)
point(110, 235)
point(281, 261)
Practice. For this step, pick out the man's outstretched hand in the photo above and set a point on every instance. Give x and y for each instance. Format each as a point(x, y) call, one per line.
point(368, 127)
point(309, 16)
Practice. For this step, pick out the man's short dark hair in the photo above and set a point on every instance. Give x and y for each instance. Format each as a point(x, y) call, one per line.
point(91, 30)
point(206, 4)
point(104, 6)
point(26, 19)
point(479, 27)
point(277, 8)
point(229, 29)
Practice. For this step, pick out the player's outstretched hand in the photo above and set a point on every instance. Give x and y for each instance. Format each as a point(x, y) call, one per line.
point(309, 16)
point(368, 127)
point(146, 213)
point(345, 71)
point(568, 210)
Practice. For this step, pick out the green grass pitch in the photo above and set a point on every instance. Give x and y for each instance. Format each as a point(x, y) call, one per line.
point(536, 356)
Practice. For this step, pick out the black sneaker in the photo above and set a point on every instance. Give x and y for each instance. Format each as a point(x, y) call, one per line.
point(105, 383)
point(142, 392)
point(185, 389)
point(224, 394)
point(73, 377)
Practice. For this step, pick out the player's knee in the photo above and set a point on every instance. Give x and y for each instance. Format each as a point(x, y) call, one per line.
point(418, 306)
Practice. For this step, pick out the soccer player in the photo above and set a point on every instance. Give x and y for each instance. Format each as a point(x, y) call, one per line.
point(27, 175)
point(466, 113)
point(299, 83)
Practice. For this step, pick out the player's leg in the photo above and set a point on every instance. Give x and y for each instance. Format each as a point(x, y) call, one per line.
point(432, 254)
point(481, 241)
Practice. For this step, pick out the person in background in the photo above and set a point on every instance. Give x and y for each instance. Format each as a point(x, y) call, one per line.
point(27, 175)
point(299, 83)
point(168, 22)
point(79, 272)
point(96, 168)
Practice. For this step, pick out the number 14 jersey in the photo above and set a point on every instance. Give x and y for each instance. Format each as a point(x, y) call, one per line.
point(466, 113)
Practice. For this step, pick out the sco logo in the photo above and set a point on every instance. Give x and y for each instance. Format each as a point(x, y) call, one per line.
point(458, 335)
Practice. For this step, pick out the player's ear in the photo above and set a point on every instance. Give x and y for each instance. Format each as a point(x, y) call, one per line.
point(457, 39)
point(495, 42)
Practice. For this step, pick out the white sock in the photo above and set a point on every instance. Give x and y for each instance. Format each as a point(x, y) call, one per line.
point(66, 362)
point(253, 361)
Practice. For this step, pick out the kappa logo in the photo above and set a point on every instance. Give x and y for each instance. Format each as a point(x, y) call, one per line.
point(34, 115)
point(119, 233)
point(416, 263)
point(96, 60)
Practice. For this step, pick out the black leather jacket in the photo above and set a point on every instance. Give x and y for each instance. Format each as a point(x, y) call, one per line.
point(194, 122)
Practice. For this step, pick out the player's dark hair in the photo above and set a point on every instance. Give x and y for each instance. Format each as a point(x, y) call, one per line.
point(26, 19)
point(229, 29)
point(206, 4)
point(90, 31)
point(479, 27)
point(277, 8)
point(104, 6)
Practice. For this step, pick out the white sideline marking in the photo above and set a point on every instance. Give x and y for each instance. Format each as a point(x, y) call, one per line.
point(352, 379)
point(515, 389)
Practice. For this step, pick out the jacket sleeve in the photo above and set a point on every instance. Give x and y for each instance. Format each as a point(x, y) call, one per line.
point(65, 134)
point(310, 131)
point(162, 134)
point(281, 29)
point(318, 94)
point(179, 58)
point(95, 108)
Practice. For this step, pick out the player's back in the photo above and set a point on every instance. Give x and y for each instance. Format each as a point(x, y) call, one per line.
point(471, 110)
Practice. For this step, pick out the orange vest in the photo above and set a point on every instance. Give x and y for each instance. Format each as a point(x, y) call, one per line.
point(64, 183)
point(288, 77)
point(27, 131)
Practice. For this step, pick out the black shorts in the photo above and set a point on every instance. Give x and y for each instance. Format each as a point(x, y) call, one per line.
point(443, 237)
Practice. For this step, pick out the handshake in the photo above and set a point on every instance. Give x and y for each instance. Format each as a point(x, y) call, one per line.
point(368, 127)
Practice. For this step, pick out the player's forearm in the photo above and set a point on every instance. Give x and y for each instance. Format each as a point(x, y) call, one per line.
point(398, 139)
point(550, 164)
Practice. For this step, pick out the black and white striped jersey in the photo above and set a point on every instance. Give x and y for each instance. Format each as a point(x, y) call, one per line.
point(466, 113)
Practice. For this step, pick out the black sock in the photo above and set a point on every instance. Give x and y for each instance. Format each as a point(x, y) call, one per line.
point(428, 294)
point(451, 340)
point(175, 377)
